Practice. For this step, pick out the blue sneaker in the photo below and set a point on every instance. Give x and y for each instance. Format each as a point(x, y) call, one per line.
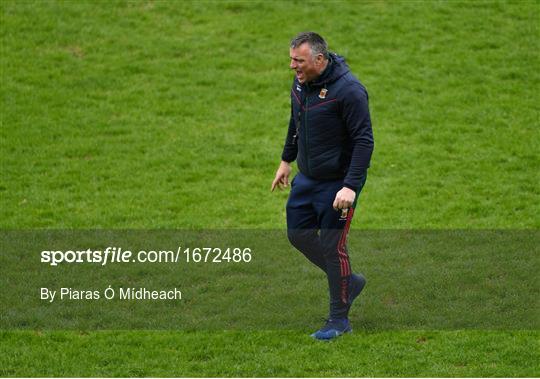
point(333, 329)
point(356, 285)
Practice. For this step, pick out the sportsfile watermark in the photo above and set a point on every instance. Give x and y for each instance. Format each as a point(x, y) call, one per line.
point(111, 255)
point(255, 279)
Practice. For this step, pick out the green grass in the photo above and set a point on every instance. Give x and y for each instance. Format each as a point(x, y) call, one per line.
point(270, 354)
point(166, 114)
point(155, 114)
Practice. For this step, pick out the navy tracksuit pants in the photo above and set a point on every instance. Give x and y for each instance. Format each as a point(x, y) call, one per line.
point(317, 230)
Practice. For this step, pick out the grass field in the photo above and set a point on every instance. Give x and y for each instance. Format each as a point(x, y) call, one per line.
point(270, 353)
point(161, 114)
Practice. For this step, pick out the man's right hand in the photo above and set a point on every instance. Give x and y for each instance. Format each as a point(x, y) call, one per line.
point(282, 176)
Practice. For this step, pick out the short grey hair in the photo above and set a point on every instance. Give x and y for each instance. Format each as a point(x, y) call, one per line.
point(316, 42)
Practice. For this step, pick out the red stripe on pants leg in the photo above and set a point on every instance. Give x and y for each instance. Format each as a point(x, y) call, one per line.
point(345, 265)
point(344, 295)
point(343, 256)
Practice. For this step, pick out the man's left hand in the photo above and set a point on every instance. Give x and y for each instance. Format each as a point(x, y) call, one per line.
point(344, 199)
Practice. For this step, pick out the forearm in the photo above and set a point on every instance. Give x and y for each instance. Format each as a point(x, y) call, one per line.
point(358, 122)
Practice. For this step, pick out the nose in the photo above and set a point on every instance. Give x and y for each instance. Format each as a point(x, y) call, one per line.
point(293, 64)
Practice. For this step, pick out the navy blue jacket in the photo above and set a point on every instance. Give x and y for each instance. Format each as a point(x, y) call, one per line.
point(330, 131)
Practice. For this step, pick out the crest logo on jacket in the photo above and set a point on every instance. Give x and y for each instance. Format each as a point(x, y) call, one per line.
point(298, 88)
point(322, 94)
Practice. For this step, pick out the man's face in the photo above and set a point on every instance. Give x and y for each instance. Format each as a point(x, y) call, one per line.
point(304, 64)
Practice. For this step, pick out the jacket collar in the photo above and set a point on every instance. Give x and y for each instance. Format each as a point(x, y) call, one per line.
point(335, 69)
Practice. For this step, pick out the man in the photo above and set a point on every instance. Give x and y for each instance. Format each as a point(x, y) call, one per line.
point(330, 136)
